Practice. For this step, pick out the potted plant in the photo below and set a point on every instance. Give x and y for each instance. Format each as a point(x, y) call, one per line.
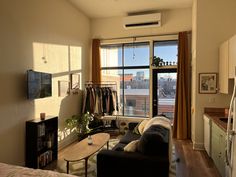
point(80, 123)
point(157, 61)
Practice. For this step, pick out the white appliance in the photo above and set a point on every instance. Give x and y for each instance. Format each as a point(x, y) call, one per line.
point(141, 21)
point(231, 138)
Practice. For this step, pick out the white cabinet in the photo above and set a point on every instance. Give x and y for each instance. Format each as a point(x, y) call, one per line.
point(207, 134)
point(227, 64)
point(215, 143)
point(218, 144)
point(232, 57)
point(224, 67)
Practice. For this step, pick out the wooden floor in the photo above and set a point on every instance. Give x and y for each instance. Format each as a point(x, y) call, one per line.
point(193, 163)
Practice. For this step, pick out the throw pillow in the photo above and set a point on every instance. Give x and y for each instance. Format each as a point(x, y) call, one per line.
point(154, 141)
point(132, 146)
point(140, 127)
point(136, 129)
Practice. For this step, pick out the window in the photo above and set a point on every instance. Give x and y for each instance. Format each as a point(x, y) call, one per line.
point(164, 78)
point(128, 65)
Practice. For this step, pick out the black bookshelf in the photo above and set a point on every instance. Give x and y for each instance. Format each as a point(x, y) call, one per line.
point(41, 142)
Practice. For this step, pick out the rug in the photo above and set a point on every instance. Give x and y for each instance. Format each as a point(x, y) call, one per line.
point(77, 168)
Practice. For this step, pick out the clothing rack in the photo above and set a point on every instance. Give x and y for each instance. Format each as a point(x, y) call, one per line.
point(112, 84)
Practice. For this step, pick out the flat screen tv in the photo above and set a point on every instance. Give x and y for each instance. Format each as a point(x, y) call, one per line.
point(39, 84)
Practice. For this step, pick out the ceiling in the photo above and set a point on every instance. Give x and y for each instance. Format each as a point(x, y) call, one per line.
point(112, 8)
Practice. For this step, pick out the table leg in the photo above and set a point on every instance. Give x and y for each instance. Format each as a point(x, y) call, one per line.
point(108, 144)
point(67, 167)
point(86, 167)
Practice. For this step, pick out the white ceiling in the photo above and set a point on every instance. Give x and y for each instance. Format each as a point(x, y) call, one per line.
point(112, 8)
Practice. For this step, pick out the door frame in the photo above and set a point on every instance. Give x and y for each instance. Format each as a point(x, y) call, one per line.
point(155, 86)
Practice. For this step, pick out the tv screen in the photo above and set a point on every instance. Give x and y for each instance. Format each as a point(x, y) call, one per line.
point(39, 84)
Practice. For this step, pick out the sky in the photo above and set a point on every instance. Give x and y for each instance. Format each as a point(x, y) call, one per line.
point(140, 55)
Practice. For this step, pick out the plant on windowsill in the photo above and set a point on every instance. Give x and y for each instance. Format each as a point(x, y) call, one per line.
point(157, 61)
point(80, 123)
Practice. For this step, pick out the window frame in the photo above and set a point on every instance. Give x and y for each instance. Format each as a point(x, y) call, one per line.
point(123, 68)
point(151, 39)
point(162, 69)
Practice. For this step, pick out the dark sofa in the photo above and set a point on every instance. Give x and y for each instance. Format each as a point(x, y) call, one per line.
point(150, 159)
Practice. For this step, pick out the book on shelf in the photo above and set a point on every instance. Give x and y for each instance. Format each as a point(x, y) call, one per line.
point(41, 129)
point(45, 158)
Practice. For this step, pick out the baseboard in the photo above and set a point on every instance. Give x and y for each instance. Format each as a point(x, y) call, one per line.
point(68, 140)
point(198, 146)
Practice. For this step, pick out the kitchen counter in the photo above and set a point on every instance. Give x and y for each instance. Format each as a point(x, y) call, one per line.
point(215, 114)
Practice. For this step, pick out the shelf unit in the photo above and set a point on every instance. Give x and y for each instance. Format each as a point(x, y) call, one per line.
point(41, 142)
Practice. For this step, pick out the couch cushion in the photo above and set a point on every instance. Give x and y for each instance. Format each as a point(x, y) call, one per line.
point(132, 125)
point(132, 146)
point(154, 141)
point(119, 147)
point(128, 137)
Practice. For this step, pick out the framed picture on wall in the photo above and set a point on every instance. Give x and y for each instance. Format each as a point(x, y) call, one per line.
point(208, 83)
point(63, 88)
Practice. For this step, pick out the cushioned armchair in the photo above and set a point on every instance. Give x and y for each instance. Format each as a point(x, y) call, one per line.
point(151, 158)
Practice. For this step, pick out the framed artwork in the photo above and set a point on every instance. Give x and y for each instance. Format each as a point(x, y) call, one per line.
point(208, 83)
point(63, 88)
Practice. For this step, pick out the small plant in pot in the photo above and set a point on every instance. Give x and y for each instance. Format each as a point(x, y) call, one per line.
point(80, 123)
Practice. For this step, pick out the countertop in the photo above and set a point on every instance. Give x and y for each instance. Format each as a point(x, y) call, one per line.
point(215, 114)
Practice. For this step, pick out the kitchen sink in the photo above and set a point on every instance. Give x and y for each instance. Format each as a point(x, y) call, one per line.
point(225, 119)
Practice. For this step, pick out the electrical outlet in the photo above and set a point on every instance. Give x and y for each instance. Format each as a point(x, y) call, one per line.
point(211, 100)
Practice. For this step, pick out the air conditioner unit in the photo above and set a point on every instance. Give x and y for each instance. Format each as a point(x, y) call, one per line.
point(141, 21)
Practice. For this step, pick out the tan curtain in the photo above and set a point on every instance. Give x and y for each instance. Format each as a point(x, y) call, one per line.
point(96, 70)
point(182, 114)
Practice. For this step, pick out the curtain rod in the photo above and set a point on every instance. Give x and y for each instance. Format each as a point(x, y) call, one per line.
point(153, 35)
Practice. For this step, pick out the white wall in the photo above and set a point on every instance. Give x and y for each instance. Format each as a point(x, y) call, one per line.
point(213, 23)
point(31, 29)
point(173, 21)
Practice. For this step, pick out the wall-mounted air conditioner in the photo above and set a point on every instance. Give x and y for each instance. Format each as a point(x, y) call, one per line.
point(141, 21)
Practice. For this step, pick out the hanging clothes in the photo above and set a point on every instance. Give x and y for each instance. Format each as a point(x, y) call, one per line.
point(100, 100)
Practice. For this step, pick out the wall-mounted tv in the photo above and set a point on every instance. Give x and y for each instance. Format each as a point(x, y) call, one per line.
point(39, 84)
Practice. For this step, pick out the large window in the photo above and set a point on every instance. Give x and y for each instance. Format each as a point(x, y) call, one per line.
point(128, 65)
point(164, 78)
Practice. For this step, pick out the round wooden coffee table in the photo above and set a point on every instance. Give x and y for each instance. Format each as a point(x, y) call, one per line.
point(82, 150)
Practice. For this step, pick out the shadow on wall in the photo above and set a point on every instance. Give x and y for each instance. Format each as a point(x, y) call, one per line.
point(70, 105)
